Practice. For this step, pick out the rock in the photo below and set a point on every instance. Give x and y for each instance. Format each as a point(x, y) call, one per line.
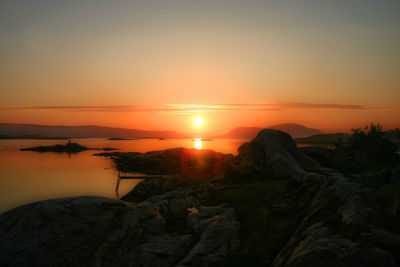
point(168, 244)
point(219, 235)
point(319, 245)
point(273, 154)
point(199, 219)
point(173, 203)
point(149, 188)
point(333, 201)
point(321, 154)
point(339, 228)
point(68, 148)
point(58, 232)
point(103, 232)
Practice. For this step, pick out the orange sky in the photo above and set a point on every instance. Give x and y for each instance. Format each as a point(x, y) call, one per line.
point(146, 64)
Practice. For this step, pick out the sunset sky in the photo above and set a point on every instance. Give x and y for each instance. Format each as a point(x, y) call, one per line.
point(332, 65)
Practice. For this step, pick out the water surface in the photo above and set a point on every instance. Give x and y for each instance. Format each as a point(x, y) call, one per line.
point(28, 176)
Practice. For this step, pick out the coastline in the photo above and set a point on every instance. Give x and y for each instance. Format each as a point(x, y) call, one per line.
point(260, 195)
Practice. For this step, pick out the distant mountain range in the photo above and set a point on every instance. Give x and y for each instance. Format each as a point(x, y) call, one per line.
point(295, 130)
point(8, 130)
point(41, 131)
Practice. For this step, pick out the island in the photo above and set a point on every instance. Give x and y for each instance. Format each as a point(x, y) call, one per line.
point(67, 148)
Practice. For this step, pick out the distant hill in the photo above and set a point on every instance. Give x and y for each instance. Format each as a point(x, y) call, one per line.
point(295, 130)
point(241, 132)
point(17, 130)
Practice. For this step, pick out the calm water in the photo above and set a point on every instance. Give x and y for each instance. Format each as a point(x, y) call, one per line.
point(28, 176)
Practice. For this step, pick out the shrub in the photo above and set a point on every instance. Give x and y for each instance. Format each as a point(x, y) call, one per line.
point(373, 142)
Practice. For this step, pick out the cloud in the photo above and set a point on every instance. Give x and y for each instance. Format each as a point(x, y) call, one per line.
point(190, 108)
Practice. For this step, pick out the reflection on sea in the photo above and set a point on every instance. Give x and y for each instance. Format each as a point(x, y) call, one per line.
point(28, 176)
point(197, 143)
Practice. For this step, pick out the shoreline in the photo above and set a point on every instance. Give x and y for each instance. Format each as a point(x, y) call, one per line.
point(249, 199)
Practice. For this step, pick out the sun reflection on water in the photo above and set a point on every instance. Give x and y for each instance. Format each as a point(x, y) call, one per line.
point(197, 143)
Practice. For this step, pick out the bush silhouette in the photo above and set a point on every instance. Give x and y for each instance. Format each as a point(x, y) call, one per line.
point(372, 141)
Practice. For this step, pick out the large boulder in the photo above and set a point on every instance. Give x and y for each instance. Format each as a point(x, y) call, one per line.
point(219, 234)
point(58, 232)
point(149, 188)
point(339, 226)
point(96, 231)
point(273, 154)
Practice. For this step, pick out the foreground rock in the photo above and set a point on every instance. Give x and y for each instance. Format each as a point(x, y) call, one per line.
point(339, 227)
point(273, 155)
point(95, 231)
point(338, 224)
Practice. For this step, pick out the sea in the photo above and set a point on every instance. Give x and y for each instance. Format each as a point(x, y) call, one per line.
point(29, 176)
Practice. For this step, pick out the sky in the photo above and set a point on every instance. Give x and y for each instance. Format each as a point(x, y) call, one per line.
point(331, 65)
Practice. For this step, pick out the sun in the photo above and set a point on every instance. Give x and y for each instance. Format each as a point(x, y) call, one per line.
point(198, 122)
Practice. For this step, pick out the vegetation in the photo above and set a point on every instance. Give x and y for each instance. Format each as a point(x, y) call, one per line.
point(381, 172)
point(373, 142)
point(370, 157)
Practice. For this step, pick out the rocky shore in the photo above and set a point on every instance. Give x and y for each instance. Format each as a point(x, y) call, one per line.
point(272, 205)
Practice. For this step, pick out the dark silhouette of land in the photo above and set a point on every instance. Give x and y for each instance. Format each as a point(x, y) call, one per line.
point(67, 148)
point(15, 130)
point(31, 131)
point(294, 130)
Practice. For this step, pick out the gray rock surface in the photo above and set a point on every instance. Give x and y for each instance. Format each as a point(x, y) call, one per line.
point(96, 231)
point(339, 228)
point(219, 235)
point(319, 245)
point(273, 154)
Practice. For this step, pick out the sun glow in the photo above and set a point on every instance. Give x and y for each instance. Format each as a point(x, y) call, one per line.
point(197, 143)
point(198, 122)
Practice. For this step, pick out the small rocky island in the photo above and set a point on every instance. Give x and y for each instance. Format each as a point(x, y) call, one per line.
point(272, 205)
point(67, 148)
